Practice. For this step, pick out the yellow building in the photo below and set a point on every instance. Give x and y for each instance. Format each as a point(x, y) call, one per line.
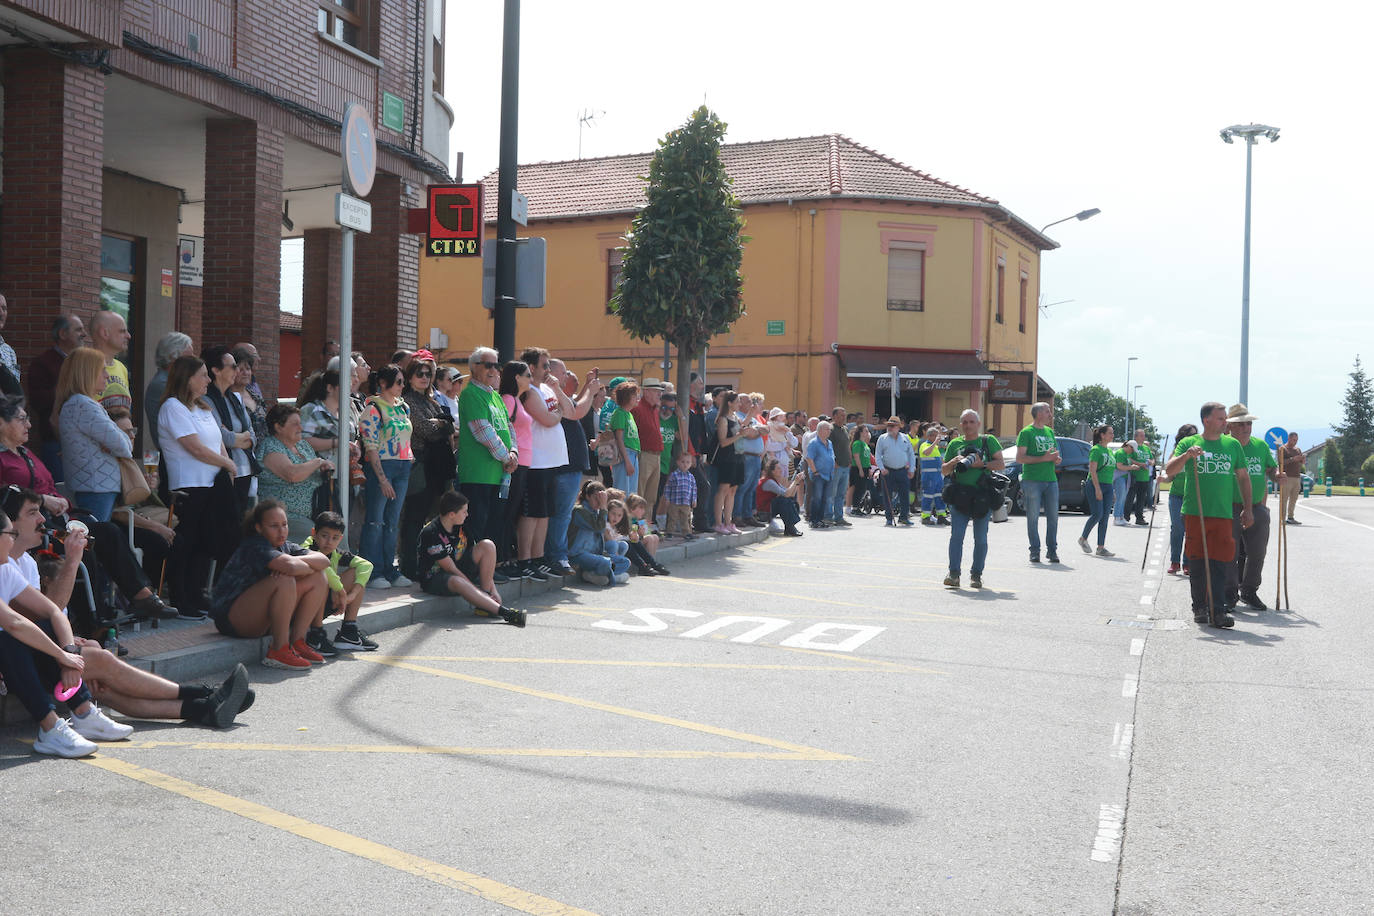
point(855, 264)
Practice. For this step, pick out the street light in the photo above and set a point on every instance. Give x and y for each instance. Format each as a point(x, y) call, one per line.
point(1129, 360)
point(1135, 411)
point(1080, 215)
point(1250, 133)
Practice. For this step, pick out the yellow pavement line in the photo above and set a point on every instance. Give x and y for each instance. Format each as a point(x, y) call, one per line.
point(779, 595)
point(618, 663)
point(441, 751)
point(894, 666)
point(445, 875)
point(814, 753)
point(564, 610)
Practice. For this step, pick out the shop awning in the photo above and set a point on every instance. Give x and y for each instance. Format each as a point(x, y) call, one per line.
point(935, 369)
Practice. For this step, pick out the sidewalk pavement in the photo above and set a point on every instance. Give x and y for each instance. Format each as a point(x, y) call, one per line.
point(185, 651)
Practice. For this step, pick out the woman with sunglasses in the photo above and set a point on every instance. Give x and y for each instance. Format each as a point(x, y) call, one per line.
point(1178, 488)
point(431, 442)
point(387, 464)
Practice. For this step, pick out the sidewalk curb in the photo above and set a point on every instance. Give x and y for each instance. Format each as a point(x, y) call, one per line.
point(385, 613)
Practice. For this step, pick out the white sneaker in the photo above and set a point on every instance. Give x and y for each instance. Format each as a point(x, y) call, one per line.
point(378, 583)
point(595, 578)
point(96, 726)
point(401, 582)
point(622, 578)
point(61, 741)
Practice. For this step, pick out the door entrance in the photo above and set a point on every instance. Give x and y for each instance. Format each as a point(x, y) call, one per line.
point(910, 406)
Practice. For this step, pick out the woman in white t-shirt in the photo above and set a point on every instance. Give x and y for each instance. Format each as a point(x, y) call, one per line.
point(193, 448)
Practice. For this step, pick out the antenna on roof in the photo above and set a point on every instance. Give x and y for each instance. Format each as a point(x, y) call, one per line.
point(587, 118)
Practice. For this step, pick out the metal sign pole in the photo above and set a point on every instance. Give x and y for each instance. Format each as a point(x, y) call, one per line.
point(342, 477)
point(896, 380)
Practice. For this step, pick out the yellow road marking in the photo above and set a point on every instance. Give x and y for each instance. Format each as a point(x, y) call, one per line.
point(811, 752)
point(563, 610)
point(619, 663)
point(441, 751)
point(894, 666)
point(445, 875)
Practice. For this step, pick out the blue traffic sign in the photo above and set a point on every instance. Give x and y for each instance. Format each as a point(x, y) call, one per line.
point(1276, 437)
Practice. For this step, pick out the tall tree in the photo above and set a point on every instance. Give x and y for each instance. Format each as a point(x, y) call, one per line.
point(680, 278)
point(1357, 430)
point(1333, 466)
point(1094, 405)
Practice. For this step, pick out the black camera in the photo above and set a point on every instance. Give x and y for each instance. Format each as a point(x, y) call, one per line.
point(965, 461)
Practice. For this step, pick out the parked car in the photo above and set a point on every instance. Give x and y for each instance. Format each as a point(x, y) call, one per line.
point(1072, 471)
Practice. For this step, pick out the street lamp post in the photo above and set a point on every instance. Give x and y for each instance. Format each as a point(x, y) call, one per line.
point(1129, 360)
point(1135, 411)
point(1250, 133)
point(1080, 215)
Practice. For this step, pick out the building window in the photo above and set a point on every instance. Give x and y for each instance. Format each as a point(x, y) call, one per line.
point(1025, 289)
point(118, 275)
point(1001, 291)
point(905, 279)
point(615, 261)
point(437, 28)
point(344, 20)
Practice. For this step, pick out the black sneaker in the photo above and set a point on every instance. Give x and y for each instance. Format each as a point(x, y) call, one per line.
point(499, 577)
point(1292, 521)
point(151, 606)
point(317, 640)
point(353, 639)
point(530, 570)
point(1254, 601)
point(563, 569)
point(191, 613)
point(227, 700)
point(647, 571)
point(1199, 616)
point(1223, 621)
point(1035, 556)
point(513, 617)
point(927, 520)
point(1052, 557)
point(942, 520)
point(512, 570)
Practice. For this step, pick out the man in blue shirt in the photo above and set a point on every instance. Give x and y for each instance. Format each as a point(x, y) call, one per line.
point(896, 462)
point(820, 461)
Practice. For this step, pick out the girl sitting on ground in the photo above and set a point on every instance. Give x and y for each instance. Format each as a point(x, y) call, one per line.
point(588, 549)
point(638, 509)
point(622, 536)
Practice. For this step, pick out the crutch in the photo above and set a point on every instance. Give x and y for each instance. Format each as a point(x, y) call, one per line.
point(1206, 560)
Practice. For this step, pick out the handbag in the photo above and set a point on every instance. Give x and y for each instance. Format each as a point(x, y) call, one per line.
point(322, 499)
point(133, 487)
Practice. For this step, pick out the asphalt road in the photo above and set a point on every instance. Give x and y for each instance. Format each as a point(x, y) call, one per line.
point(864, 741)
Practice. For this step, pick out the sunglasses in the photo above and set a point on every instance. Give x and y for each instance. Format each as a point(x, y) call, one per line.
point(488, 365)
point(424, 373)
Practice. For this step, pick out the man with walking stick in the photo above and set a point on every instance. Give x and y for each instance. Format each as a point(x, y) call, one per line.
point(896, 461)
point(1212, 460)
point(1243, 576)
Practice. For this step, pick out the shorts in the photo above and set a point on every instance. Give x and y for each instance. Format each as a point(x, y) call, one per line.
point(856, 475)
point(223, 625)
point(729, 471)
point(437, 584)
point(538, 500)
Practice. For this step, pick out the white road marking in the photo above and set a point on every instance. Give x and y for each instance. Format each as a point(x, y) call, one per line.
point(1129, 686)
point(1107, 843)
point(1137, 647)
point(1147, 582)
point(1146, 599)
point(1339, 519)
point(1122, 738)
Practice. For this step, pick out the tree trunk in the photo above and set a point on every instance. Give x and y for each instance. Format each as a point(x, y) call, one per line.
point(684, 395)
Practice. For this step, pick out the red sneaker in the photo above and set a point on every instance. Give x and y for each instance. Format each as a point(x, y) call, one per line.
point(286, 658)
point(1173, 568)
point(307, 653)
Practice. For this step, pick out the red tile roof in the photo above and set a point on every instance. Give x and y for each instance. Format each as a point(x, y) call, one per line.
point(290, 321)
point(804, 168)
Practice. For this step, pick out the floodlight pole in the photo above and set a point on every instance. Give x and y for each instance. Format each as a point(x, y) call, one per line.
point(503, 313)
point(1250, 133)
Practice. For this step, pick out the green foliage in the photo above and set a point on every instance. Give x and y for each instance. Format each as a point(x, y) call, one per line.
point(1335, 464)
point(1095, 405)
point(1367, 470)
point(680, 278)
point(1357, 430)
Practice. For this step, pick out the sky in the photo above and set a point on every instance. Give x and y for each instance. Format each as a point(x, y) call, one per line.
point(1049, 108)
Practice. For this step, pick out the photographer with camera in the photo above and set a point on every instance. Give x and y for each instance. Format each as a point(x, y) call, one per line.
point(972, 493)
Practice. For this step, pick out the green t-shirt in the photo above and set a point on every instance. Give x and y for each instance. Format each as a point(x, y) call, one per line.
point(1122, 456)
point(863, 455)
point(1142, 455)
point(1106, 463)
point(1179, 485)
point(668, 427)
point(1258, 459)
point(623, 419)
point(475, 464)
point(990, 447)
point(1036, 442)
point(1216, 474)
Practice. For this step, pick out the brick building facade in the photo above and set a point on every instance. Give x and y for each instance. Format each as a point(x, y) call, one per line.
point(156, 152)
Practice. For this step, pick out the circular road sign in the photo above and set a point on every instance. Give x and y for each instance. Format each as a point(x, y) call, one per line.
point(1276, 437)
point(359, 151)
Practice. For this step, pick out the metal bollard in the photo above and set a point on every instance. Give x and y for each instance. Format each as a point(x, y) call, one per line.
point(1328, 486)
point(1361, 486)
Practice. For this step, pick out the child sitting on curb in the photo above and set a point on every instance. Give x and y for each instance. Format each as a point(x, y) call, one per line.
point(347, 577)
point(449, 565)
point(622, 529)
point(587, 546)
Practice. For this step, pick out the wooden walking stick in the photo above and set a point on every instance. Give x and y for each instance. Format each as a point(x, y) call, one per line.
point(1202, 527)
point(1278, 562)
point(1287, 602)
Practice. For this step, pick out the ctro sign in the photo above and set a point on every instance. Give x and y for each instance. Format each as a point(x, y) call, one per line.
point(455, 221)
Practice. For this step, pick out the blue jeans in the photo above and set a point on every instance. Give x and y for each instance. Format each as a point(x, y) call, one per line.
point(1120, 487)
point(816, 500)
point(627, 478)
point(98, 504)
point(744, 496)
point(895, 486)
point(600, 564)
point(1099, 510)
point(565, 487)
point(960, 521)
point(839, 483)
point(1175, 527)
point(383, 517)
point(1042, 493)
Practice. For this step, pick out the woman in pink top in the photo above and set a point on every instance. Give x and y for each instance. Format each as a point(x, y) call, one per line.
point(516, 379)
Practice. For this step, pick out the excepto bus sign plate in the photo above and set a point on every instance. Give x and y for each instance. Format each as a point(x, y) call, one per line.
point(455, 221)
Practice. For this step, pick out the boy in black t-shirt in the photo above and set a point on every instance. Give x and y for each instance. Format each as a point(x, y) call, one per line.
point(449, 565)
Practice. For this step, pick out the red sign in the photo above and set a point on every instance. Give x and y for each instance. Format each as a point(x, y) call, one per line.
point(455, 221)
